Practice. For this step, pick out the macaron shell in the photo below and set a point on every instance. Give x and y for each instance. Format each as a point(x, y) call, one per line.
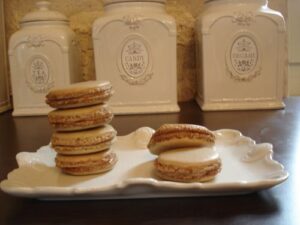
point(80, 118)
point(171, 136)
point(82, 101)
point(78, 114)
point(84, 138)
point(93, 169)
point(179, 142)
point(185, 178)
point(188, 174)
point(65, 161)
point(80, 94)
point(78, 89)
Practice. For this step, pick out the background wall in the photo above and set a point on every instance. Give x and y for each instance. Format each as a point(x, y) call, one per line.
point(82, 13)
point(4, 91)
point(294, 47)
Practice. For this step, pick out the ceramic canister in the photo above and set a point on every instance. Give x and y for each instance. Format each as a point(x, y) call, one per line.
point(135, 49)
point(43, 54)
point(241, 56)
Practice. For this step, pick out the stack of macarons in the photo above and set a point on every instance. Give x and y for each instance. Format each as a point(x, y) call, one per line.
point(82, 135)
point(186, 153)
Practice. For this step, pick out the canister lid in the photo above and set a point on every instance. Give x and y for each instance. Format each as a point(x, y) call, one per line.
point(43, 13)
point(108, 2)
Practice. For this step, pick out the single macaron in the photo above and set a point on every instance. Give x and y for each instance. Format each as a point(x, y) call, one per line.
point(83, 142)
point(171, 136)
point(86, 164)
point(80, 118)
point(189, 164)
point(80, 94)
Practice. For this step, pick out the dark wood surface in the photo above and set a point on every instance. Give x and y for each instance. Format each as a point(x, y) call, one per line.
point(278, 205)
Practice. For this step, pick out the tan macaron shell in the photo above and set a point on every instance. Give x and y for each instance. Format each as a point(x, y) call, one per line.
point(86, 164)
point(80, 94)
point(81, 142)
point(171, 136)
point(90, 170)
point(189, 164)
point(80, 118)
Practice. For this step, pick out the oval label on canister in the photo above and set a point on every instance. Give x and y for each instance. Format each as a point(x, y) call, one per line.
point(243, 57)
point(135, 60)
point(39, 75)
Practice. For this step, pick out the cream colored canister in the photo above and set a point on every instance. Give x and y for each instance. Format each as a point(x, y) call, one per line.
point(241, 56)
point(135, 49)
point(43, 54)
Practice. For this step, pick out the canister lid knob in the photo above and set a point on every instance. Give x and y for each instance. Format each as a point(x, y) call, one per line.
point(43, 13)
point(43, 5)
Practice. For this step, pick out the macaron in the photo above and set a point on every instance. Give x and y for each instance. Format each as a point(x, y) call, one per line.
point(86, 164)
point(189, 164)
point(80, 118)
point(171, 136)
point(83, 142)
point(80, 94)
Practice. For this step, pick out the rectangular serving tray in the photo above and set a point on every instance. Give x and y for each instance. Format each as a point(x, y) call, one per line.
point(246, 167)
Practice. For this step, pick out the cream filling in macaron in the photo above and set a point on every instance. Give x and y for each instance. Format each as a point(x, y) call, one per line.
point(189, 156)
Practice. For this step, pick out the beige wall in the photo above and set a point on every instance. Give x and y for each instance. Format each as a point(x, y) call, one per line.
point(294, 47)
point(4, 90)
point(82, 13)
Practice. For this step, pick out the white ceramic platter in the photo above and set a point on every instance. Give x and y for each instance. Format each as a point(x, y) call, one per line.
point(246, 167)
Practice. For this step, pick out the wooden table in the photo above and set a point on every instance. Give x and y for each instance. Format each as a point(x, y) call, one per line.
point(278, 205)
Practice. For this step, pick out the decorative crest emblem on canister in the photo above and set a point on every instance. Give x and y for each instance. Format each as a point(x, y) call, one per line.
point(243, 57)
point(134, 61)
point(38, 75)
